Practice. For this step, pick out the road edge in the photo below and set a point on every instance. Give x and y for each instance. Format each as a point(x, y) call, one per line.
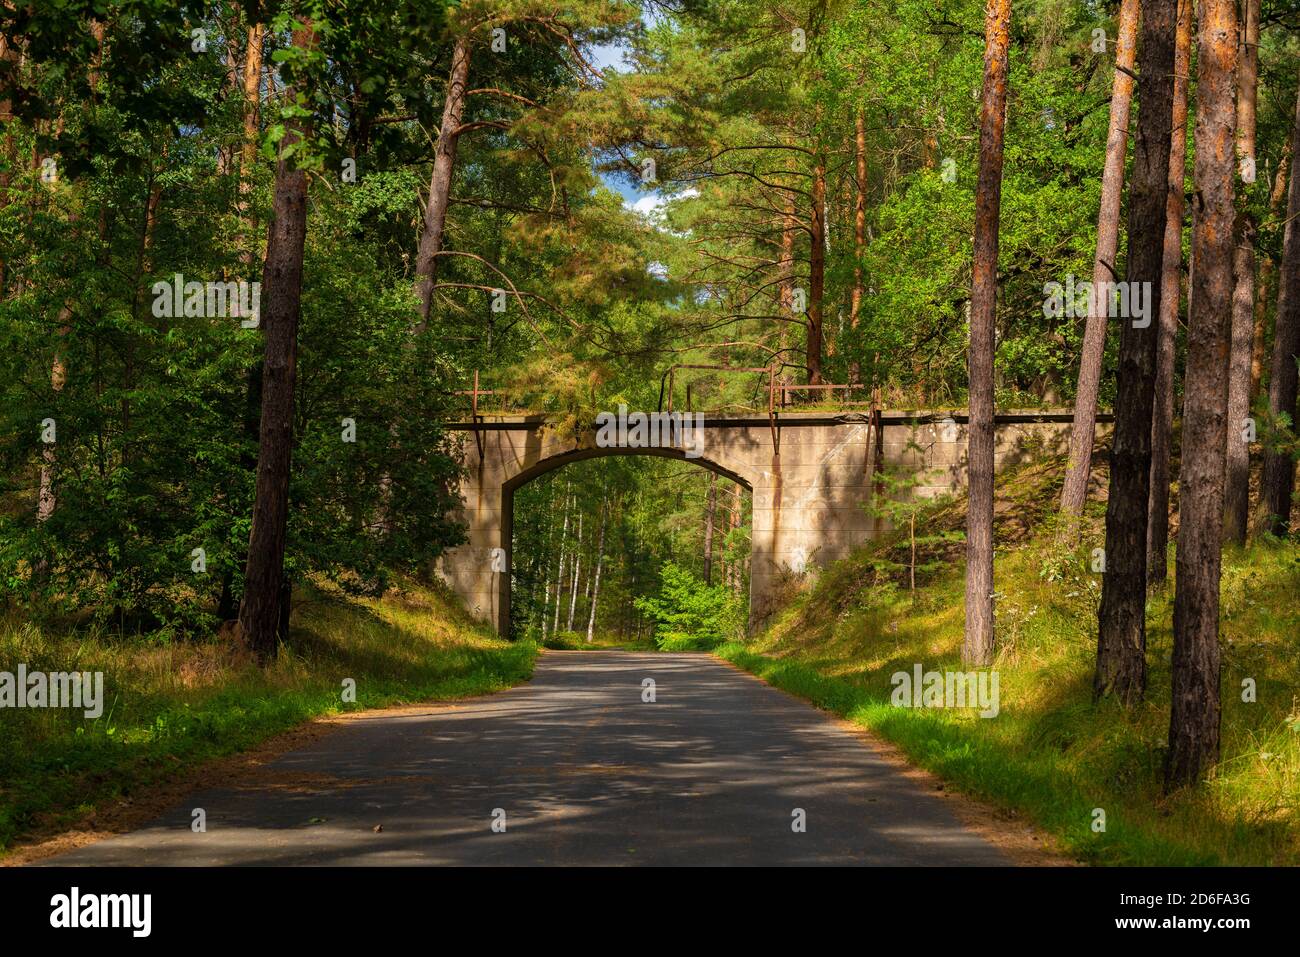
point(1026, 844)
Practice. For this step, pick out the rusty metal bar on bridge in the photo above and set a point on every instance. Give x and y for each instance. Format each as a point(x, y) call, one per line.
point(670, 376)
point(771, 413)
point(788, 387)
point(475, 418)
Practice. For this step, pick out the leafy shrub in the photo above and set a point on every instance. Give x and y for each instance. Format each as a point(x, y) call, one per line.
point(690, 615)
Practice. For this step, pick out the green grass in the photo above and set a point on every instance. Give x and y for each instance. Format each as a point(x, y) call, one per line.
point(1051, 755)
point(172, 706)
point(577, 641)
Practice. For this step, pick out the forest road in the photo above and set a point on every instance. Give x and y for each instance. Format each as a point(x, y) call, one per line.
point(576, 767)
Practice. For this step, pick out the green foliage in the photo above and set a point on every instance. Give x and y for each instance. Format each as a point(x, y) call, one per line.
point(155, 433)
point(690, 615)
point(899, 505)
point(656, 511)
point(1051, 754)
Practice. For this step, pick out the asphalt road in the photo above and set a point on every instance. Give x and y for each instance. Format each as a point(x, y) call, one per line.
point(585, 772)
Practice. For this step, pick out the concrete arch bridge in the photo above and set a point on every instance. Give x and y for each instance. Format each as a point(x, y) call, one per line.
point(810, 475)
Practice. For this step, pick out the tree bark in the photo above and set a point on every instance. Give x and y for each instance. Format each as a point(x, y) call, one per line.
point(444, 162)
point(1083, 432)
point(1121, 619)
point(737, 572)
point(708, 528)
point(577, 568)
point(252, 89)
point(1277, 483)
point(600, 561)
point(817, 272)
point(546, 604)
point(978, 643)
point(1162, 424)
point(1242, 345)
point(259, 613)
point(1266, 269)
point(559, 575)
point(859, 234)
point(1194, 717)
point(9, 54)
point(46, 499)
point(788, 225)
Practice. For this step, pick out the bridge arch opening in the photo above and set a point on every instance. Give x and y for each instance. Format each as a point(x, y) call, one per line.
point(587, 531)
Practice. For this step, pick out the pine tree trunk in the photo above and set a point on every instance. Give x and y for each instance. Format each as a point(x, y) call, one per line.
point(577, 567)
point(817, 273)
point(1242, 344)
point(1121, 619)
point(1264, 287)
point(46, 499)
point(9, 56)
point(1083, 432)
point(600, 561)
point(708, 528)
point(546, 604)
point(559, 575)
point(1277, 483)
point(859, 234)
point(444, 162)
point(737, 579)
point(978, 643)
point(1162, 424)
point(1194, 718)
point(252, 88)
point(259, 613)
point(788, 226)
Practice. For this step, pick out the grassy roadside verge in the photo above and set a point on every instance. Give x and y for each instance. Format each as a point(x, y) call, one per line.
point(1050, 754)
point(171, 707)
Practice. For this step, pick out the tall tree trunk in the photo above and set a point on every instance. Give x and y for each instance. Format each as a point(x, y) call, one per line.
point(46, 499)
point(9, 55)
point(546, 604)
point(577, 568)
point(259, 613)
point(708, 528)
point(859, 234)
point(737, 581)
point(1264, 285)
point(788, 226)
point(544, 559)
point(1277, 483)
point(600, 561)
point(247, 242)
point(1083, 432)
point(978, 643)
point(1121, 619)
point(1242, 344)
point(817, 272)
point(559, 575)
point(252, 89)
point(444, 162)
point(1194, 718)
point(1162, 424)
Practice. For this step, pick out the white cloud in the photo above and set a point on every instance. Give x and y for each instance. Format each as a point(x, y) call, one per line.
point(652, 205)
